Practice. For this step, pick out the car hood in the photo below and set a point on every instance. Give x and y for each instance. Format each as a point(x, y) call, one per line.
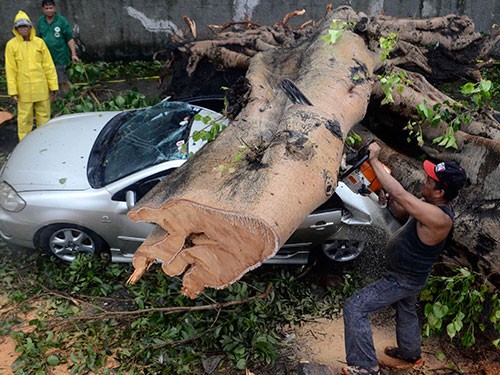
point(55, 155)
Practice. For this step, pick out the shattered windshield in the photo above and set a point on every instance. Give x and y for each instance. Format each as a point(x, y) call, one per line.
point(135, 140)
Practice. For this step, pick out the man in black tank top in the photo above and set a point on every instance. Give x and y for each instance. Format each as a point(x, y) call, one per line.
point(411, 252)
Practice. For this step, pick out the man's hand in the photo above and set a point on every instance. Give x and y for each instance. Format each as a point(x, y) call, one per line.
point(74, 58)
point(53, 95)
point(383, 198)
point(374, 150)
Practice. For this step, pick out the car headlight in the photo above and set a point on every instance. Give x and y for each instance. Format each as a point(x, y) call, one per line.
point(9, 199)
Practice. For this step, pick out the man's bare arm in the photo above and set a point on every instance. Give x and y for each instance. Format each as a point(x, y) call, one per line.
point(435, 223)
point(72, 48)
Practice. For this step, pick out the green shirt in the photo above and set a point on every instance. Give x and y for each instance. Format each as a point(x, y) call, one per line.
point(56, 35)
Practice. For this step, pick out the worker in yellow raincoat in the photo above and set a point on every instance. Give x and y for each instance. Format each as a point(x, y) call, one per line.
point(31, 75)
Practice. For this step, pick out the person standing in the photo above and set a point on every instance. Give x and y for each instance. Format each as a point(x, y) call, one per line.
point(31, 75)
point(56, 31)
point(410, 254)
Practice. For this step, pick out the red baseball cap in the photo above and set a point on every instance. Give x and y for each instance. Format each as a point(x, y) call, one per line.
point(449, 174)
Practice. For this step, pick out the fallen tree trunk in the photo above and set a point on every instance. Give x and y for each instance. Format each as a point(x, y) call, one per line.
point(221, 224)
point(233, 204)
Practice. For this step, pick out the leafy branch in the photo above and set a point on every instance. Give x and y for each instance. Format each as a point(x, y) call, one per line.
point(390, 81)
point(104, 314)
point(211, 131)
point(387, 45)
point(457, 303)
point(336, 31)
point(453, 114)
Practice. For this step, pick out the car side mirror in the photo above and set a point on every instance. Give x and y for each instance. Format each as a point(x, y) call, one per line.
point(131, 199)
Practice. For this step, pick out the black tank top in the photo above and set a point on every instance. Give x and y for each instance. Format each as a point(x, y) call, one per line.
point(408, 258)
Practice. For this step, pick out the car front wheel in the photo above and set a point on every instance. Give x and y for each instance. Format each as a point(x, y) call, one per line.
point(66, 241)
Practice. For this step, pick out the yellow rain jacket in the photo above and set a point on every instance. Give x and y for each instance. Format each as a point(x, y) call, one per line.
point(29, 67)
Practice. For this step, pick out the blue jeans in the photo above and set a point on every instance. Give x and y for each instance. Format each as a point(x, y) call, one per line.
point(357, 331)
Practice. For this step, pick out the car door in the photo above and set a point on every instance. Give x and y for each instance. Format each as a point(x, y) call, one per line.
point(128, 234)
point(314, 230)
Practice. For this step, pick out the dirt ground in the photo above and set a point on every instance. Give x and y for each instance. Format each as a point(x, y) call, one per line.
point(322, 342)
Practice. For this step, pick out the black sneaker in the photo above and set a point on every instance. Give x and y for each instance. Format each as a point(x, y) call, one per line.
point(394, 352)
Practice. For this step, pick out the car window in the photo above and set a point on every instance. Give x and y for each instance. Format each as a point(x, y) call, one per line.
point(141, 187)
point(140, 139)
point(333, 203)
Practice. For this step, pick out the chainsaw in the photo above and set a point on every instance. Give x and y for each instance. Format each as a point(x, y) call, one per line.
point(359, 175)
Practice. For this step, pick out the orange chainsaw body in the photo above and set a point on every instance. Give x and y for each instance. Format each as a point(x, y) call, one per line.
point(366, 176)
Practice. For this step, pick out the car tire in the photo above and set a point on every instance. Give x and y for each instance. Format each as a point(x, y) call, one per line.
point(66, 241)
point(342, 250)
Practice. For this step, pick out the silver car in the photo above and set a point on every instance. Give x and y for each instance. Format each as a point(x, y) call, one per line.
point(67, 187)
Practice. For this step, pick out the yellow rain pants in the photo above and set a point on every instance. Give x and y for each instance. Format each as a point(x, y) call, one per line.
point(25, 116)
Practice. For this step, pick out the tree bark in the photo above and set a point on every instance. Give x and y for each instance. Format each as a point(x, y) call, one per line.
point(233, 204)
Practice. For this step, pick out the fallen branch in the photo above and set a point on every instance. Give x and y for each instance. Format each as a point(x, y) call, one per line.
point(290, 15)
point(192, 26)
point(219, 28)
point(165, 310)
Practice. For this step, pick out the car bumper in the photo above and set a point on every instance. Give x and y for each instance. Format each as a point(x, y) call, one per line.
point(16, 232)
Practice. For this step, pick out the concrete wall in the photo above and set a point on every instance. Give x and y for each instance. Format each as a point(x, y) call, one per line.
point(135, 29)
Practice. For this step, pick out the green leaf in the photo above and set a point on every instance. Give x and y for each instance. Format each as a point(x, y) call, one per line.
point(53, 360)
point(426, 295)
point(440, 310)
point(238, 156)
point(436, 120)
point(427, 330)
point(420, 139)
point(468, 88)
point(432, 320)
point(440, 356)
point(88, 106)
point(79, 68)
point(464, 272)
point(423, 110)
point(443, 142)
point(120, 101)
point(451, 142)
point(450, 329)
point(50, 336)
point(458, 324)
point(485, 85)
point(333, 36)
point(241, 364)
point(428, 309)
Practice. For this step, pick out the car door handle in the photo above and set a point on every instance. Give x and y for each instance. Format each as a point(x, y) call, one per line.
point(320, 225)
